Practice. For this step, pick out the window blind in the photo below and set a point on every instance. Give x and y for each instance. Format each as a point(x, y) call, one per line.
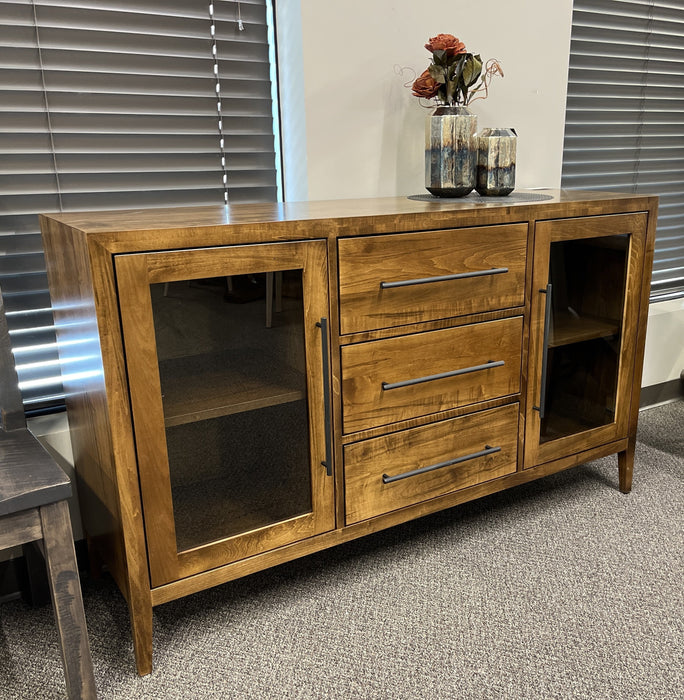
point(110, 104)
point(624, 127)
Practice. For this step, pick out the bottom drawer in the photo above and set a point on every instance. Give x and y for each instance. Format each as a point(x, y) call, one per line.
point(398, 470)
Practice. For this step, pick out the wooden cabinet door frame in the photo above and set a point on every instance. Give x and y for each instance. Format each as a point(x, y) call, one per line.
point(547, 232)
point(135, 273)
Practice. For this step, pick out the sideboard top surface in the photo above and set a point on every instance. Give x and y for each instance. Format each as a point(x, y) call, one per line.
point(136, 230)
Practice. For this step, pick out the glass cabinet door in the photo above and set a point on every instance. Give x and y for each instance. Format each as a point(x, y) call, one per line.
point(583, 322)
point(224, 349)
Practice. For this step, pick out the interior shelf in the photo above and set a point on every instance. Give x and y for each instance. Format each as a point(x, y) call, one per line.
point(557, 426)
point(210, 511)
point(207, 386)
point(569, 328)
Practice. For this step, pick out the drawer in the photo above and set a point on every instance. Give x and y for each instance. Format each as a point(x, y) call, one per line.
point(398, 470)
point(398, 279)
point(388, 380)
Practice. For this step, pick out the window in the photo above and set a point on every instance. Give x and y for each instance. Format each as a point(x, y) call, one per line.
point(625, 115)
point(121, 104)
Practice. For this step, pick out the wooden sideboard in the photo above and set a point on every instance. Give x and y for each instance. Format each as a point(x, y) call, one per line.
point(251, 384)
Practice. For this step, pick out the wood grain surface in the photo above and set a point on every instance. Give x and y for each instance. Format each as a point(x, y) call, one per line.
point(577, 229)
point(29, 476)
point(65, 590)
point(81, 250)
point(135, 273)
point(367, 262)
point(366, 366)
point(366, 462)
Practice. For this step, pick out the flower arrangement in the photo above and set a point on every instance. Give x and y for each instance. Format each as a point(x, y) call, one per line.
point(453, 74)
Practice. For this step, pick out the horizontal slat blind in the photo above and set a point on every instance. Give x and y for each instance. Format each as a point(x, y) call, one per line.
point(111, 104)
point(624, 128)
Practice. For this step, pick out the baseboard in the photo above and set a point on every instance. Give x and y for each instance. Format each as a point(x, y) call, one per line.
point(661, 393)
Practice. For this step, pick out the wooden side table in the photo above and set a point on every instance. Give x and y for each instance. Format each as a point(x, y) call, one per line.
point(33, 506)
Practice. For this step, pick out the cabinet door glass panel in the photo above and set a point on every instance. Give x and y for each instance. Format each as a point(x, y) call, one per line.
point(232, 371)
point(583, 334)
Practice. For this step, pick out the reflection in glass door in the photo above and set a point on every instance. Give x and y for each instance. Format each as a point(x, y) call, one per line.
point(226, 356)
point(233, 384)
point(584, 311)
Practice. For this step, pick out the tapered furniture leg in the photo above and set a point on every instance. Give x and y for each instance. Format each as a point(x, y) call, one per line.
point(141, 625)
point(94, 561)
point(269, 299)
point(38, 589)
point(65, 589)
point(279, 291)
point(626, 467)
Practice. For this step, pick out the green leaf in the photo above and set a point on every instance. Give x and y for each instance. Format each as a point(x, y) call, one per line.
point(478, 67)
point(471, 70)
point(437, 73)
point(454, 70)
point(440, 57)
point(452, 91)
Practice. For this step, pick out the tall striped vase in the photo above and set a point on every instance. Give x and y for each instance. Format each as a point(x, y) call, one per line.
point(450, 151)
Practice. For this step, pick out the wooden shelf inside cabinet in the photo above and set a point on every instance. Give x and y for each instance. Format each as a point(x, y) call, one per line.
point(197, 388)
point(568, 329)
point(218, 509)
point(559, 426)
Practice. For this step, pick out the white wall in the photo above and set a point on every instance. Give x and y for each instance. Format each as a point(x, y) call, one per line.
point(351, 128)
point(664, 358)
point(358, 132)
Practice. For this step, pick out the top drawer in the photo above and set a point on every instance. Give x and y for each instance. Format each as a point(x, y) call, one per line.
point(397, 279)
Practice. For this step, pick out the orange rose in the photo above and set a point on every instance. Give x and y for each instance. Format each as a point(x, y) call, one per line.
point(425, 86)
point(446, 42)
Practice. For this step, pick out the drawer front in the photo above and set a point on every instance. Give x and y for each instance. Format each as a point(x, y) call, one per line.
point(454, 367)
point(397, 279)
point(398, 470)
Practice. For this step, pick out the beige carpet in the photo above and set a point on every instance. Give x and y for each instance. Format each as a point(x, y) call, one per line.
point(563, 588)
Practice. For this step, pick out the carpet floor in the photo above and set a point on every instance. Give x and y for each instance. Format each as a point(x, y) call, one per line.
point(562, 588)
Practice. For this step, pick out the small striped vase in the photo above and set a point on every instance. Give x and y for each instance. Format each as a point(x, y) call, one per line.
point(450, 151)
point(496, 162)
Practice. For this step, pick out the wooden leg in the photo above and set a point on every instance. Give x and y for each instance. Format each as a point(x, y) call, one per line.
point(626, 467)
point(269, 299)
point(279, 291)
point(65, 589)
point(141, 625)
point(95, 564)
point(38, 587)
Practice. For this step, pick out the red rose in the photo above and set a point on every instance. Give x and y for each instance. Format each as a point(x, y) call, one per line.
point(446, 42)
point(425, 86)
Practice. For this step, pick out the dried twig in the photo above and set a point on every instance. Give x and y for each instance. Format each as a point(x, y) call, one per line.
point(492, 68)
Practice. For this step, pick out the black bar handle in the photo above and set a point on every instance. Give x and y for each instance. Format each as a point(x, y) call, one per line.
point(323, 325)
point(444, 278)
point(386, 386)
point(545, 349)
point(423, 470)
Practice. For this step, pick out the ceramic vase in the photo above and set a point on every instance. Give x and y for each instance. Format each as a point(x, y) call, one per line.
point(496, 162)
point(450, 151)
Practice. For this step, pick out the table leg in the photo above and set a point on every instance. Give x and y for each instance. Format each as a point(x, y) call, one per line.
point(65, 589)
point(626, 467)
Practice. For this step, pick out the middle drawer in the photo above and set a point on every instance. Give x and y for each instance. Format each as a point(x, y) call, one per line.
point(393, 379)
